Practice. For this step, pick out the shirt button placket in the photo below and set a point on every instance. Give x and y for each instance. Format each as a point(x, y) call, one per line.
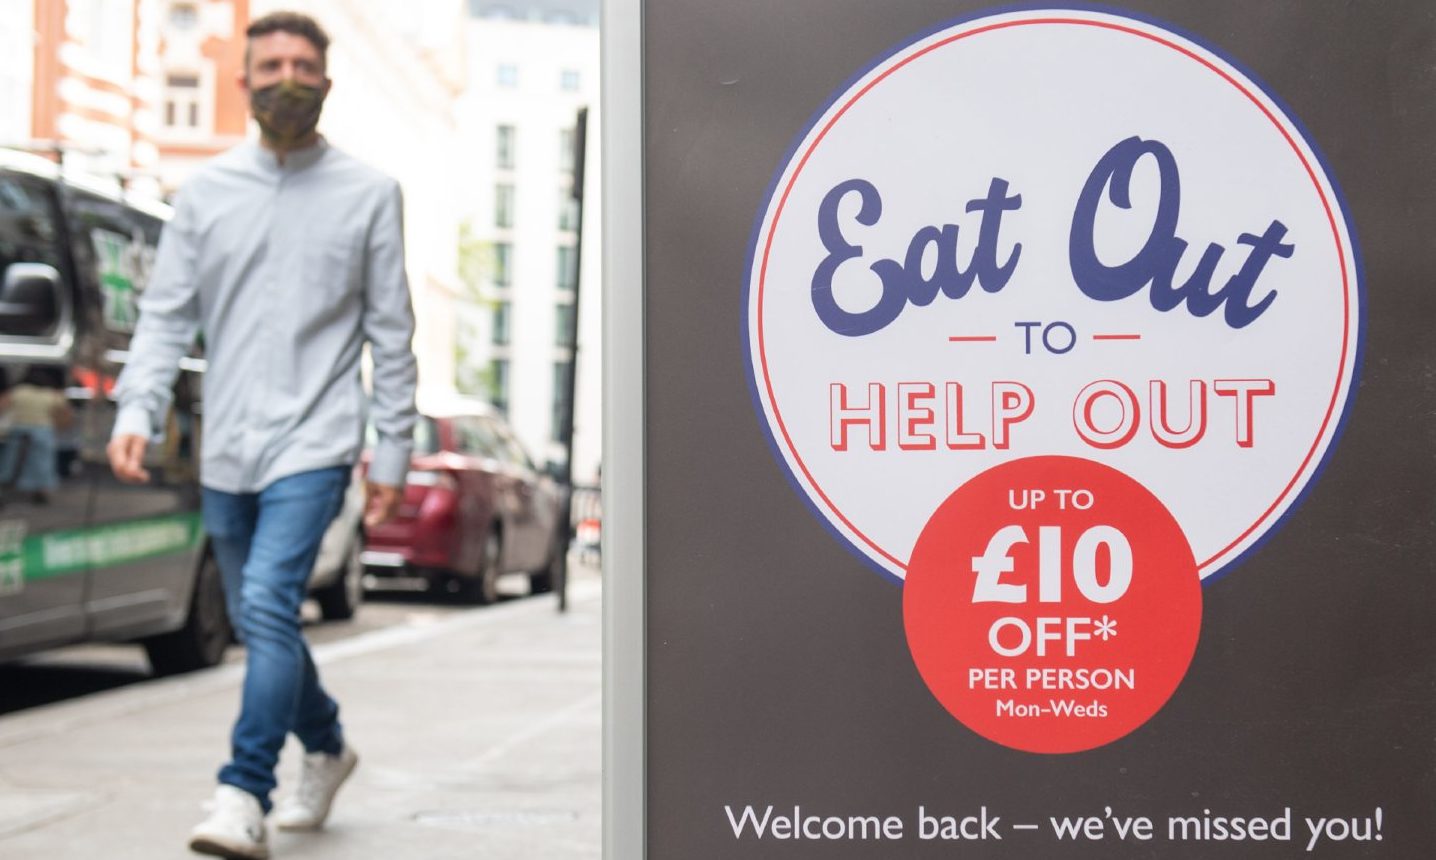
point(265, 325)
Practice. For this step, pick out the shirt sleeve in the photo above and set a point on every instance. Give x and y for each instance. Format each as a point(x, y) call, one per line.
point(169, 320)
point(389, 327)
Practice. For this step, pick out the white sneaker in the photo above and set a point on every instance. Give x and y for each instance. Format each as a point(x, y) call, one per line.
point(234, 828)
point(319, 780)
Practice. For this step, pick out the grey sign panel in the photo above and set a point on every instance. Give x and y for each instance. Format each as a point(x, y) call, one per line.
point(768, 697)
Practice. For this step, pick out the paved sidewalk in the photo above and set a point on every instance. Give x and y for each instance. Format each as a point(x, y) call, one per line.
point(478, 735)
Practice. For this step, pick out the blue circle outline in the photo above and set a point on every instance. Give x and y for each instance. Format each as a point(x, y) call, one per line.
point(884, 57)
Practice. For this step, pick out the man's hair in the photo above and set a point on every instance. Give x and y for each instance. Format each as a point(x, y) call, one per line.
point(294, 23)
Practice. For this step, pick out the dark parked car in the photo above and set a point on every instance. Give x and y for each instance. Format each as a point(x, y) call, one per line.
point(475, 509)
point(84, 557)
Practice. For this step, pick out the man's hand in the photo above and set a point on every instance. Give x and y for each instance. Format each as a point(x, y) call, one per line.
point(127, 457)
point(381, 502)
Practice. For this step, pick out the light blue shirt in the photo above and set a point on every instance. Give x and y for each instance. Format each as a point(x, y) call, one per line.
point(287, 271)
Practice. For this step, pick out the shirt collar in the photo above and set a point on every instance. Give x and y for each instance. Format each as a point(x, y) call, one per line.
point(294, 160)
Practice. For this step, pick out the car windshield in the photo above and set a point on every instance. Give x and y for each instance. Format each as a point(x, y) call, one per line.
point(426, 437)
point(503, 438)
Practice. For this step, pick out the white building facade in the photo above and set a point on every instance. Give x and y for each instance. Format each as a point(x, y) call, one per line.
point(17, 70)
point(532, 65)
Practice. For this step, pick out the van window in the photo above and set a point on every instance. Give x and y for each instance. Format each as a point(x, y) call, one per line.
point(114, 248)
point(29, 231)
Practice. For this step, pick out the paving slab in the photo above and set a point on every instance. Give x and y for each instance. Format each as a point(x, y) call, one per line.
point(479, 737)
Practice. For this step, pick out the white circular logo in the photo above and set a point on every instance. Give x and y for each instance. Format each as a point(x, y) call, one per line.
point(1053, 232)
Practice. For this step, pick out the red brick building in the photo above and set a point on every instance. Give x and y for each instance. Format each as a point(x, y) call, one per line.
point(138, 88)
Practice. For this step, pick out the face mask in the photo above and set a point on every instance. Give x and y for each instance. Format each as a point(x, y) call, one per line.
point(287, 111)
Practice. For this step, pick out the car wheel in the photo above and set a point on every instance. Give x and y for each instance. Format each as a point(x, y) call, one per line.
point(483, 587)
point(200, 643)
point(339, 600)
point(543, 581)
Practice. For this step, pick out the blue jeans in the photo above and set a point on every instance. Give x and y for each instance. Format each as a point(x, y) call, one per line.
point(39, 470)
point(265, 544)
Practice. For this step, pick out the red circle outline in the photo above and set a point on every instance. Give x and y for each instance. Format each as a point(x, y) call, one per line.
point(1311, 174)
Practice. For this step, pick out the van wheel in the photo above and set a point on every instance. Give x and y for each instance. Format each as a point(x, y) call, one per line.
point(483, 588)
point(200, 643)
point(339, 600)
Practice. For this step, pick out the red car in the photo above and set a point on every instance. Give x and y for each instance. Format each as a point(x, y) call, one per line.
point(475, 509)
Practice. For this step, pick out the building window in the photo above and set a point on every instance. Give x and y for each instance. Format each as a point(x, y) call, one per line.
point(563, 324)
point(568, 80)
point(501, 323)
point(499, 384)
point(184, 17)
point(471, 363)
point(560, 399)
point(567, 210)
point(497, 11)
point(565, 150)
point(508, 75)
point(565, 265)
point(504, 205)
point(503, 264)
point(504, 150)
point(106, 29)
point(182, 102)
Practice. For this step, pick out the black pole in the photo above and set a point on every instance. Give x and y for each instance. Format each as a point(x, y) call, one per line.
point(580, 153)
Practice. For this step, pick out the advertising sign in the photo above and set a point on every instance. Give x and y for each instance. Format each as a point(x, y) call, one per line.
point(1036, 430)
point(999, 312)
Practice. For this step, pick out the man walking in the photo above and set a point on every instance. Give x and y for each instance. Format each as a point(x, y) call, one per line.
point(286, 256)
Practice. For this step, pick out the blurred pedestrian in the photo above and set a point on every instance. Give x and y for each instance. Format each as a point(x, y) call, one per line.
point(288, 255)
point(38, 412)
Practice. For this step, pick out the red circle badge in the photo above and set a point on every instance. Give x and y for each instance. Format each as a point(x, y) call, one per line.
point(1052, 604)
